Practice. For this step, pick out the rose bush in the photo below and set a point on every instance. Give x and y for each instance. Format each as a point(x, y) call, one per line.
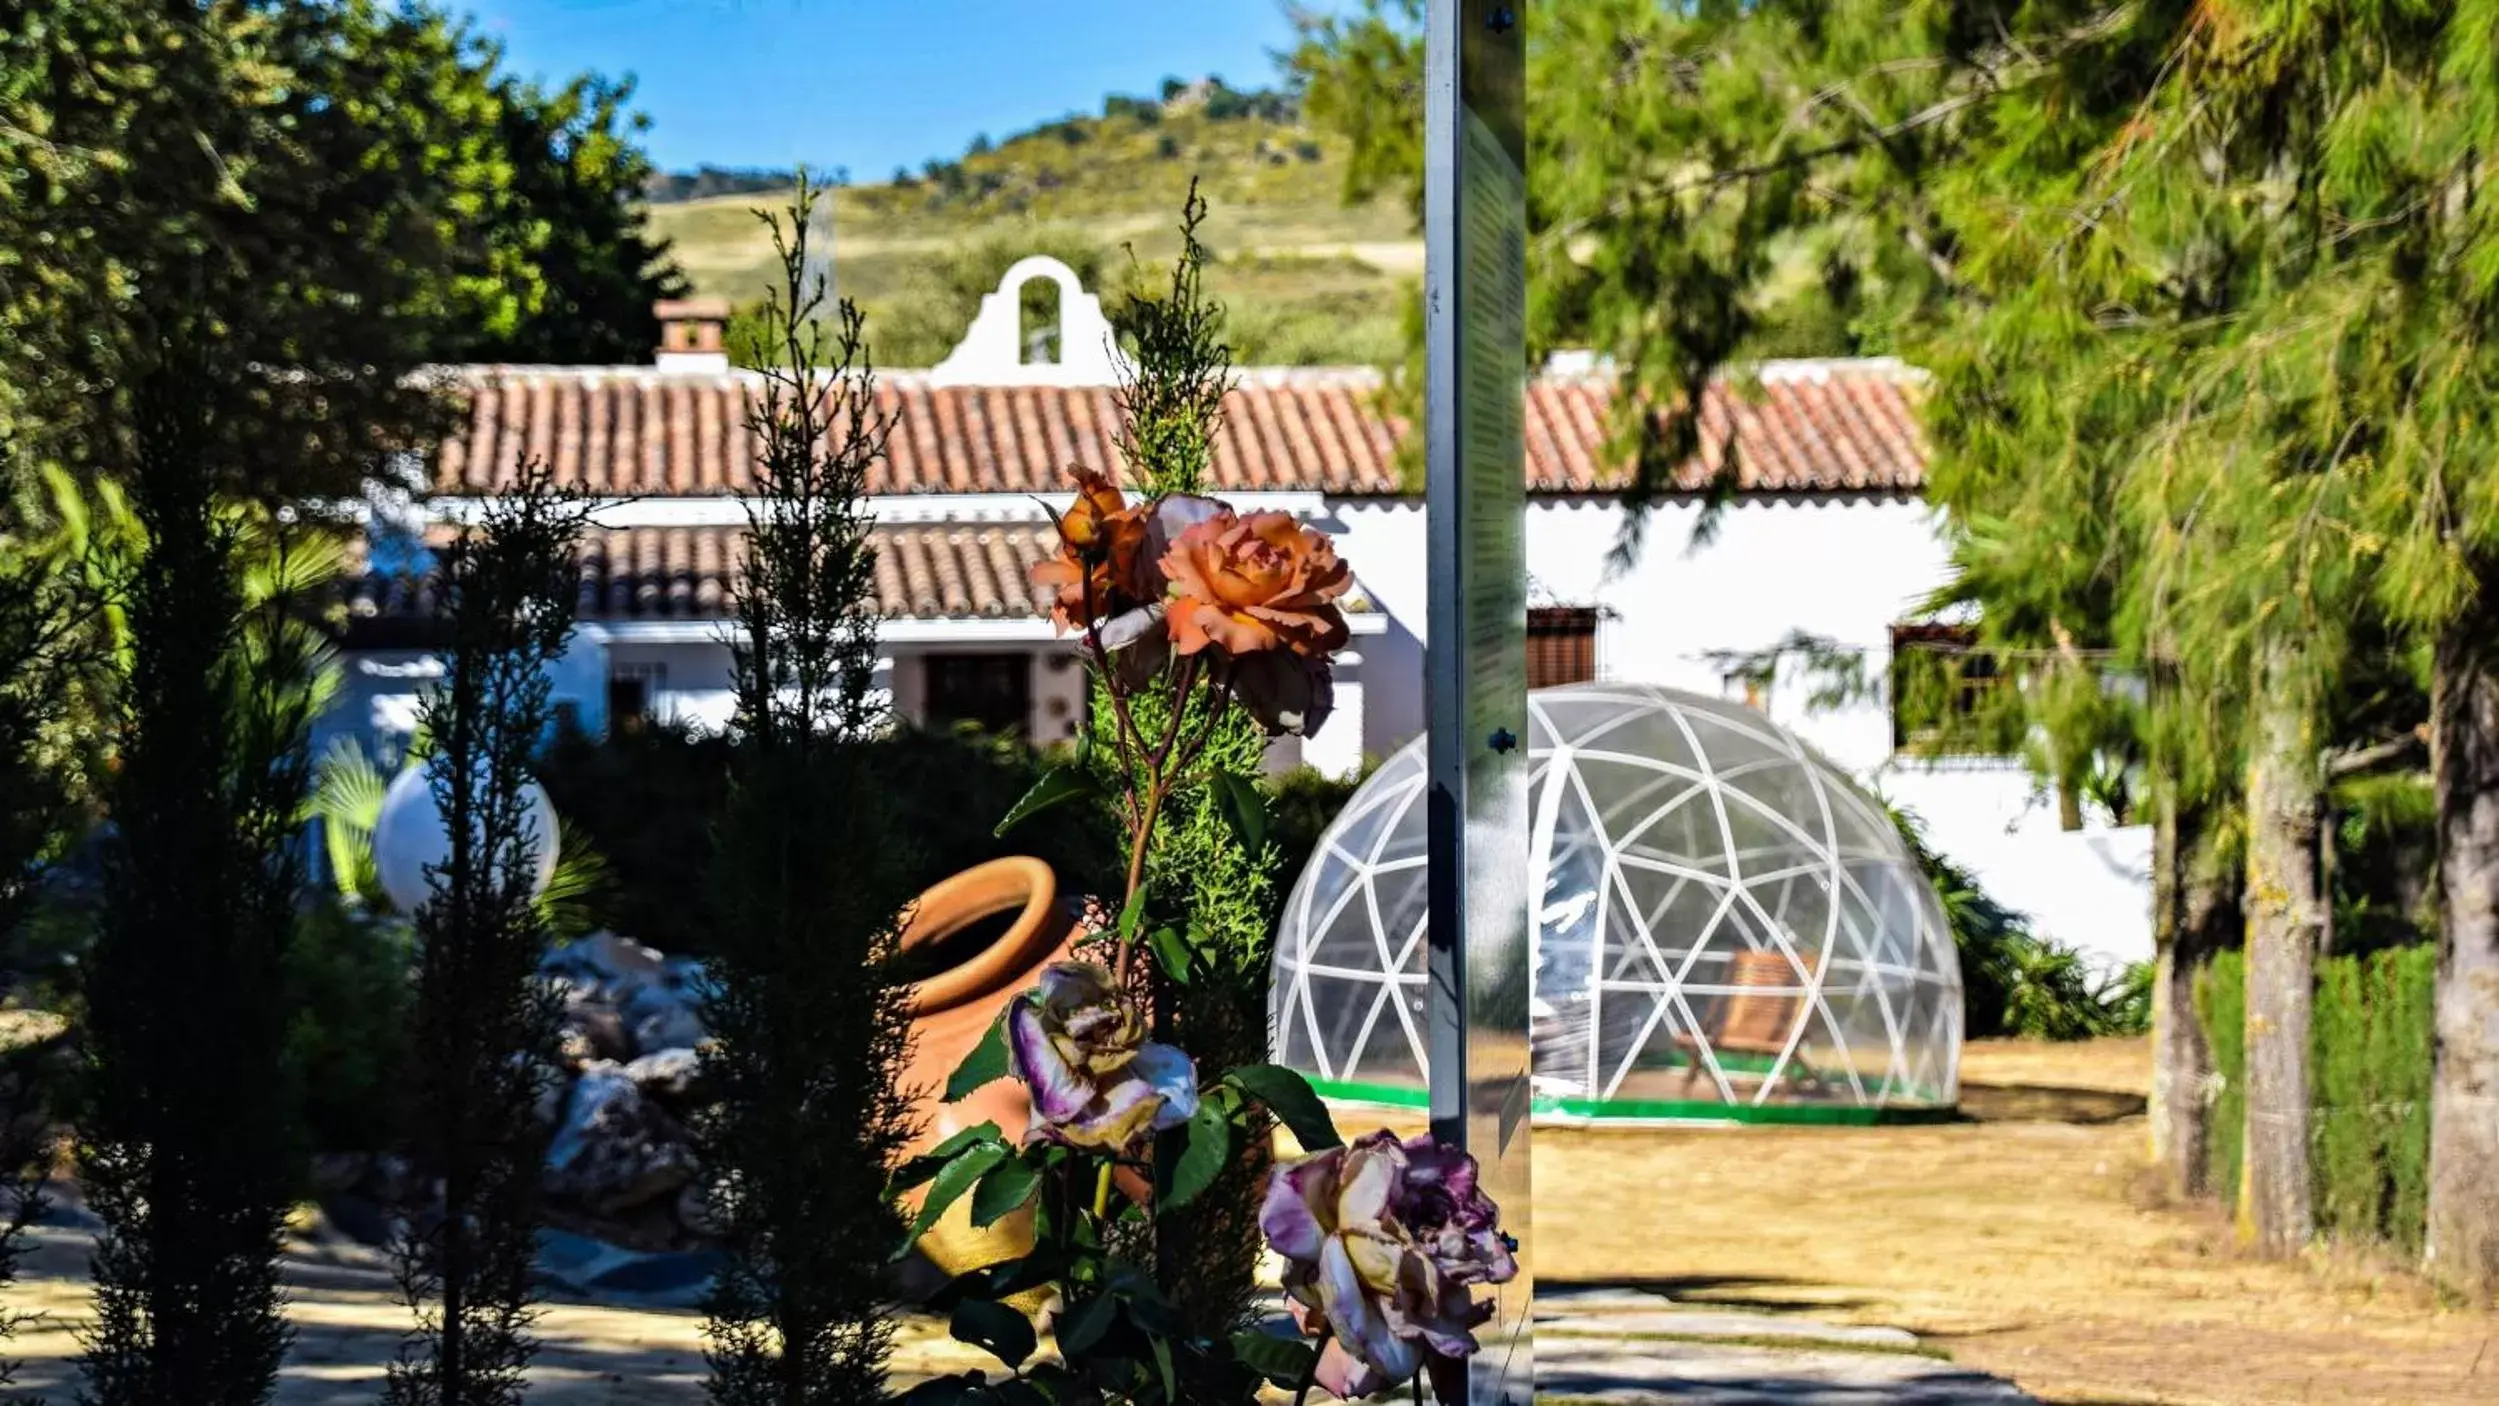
point(1196, 621)
point(1384, 1242)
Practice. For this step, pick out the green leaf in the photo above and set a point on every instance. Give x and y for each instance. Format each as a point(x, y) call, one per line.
point(946, 1391)
point(1284, 1361)
point(929, 1163)
point(1005, 1190)
point(958, 1177)
point(1289, 1096)
point(1049, 1384)
point(1205, 1146)
point(1003, 1280)
point(1087, 1325)
point(1148, 1307)
point(1172, 950)
point(1059, 783)
point(1162, 1365)
point(1244, 808)
point(1132, 914)
point(986, 1064)
point(995, 1328)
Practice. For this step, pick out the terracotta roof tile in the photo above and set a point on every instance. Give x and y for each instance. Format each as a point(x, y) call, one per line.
point(688, 573)
point(935, 572)
point(1809, 427)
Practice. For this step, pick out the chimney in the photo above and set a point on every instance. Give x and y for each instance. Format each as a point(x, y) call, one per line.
point(692, 334)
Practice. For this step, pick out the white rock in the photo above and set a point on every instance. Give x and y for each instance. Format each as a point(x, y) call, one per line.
point(667, 1073)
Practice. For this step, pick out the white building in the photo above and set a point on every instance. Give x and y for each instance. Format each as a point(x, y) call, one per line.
point(1826, 535)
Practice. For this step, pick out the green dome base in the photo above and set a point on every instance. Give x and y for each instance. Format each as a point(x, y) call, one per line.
point(1624, 1112)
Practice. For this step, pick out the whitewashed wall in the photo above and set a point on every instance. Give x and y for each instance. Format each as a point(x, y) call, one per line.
point(1842, 569)
point(380, 691)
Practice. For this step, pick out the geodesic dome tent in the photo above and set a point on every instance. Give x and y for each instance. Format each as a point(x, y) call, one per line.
point(1730, 928)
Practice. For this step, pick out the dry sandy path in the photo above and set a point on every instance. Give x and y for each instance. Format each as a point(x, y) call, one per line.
point(2021, 1248)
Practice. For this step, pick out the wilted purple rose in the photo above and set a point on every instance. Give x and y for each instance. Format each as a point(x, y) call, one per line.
point(1079, 1045)
point(1384, 1241)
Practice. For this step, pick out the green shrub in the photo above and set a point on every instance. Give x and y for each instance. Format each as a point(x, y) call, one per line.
point(2403, 984)
point(1303, 803)
point(347, 989)
point(2371, 1050)
point(649, 800)
point(949, 787)
point(2013, 981)
point(2343, 1152)
point(2221, 1004)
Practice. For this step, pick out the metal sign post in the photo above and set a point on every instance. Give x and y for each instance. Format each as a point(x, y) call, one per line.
point(1475, 388)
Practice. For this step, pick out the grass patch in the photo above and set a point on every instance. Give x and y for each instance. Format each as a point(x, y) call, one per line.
point(1307, 279)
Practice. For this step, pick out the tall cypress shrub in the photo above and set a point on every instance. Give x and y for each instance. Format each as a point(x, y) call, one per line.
point(807, 1010)
point(189, 1151)
point(485, 1029)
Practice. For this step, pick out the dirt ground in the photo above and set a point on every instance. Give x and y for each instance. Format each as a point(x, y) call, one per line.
point(2022, 1244)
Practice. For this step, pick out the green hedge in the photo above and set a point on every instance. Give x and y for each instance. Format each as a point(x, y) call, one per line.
point(2221, 1003)
point(2370, 1079)
point(2369, 1082)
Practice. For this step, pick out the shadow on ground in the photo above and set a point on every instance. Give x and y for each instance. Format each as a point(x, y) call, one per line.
point(1750, 1292)
point(2046, 1103)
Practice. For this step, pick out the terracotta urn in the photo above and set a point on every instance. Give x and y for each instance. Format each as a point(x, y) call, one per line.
point(954, 1008)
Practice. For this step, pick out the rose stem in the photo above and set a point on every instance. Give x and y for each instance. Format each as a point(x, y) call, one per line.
point(1129, 739)
point(1102, 1192)
point(1159, 772)
point(1311, 1377)
point(1136, 870)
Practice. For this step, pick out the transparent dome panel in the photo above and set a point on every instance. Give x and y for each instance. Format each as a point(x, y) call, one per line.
point(1726, 925)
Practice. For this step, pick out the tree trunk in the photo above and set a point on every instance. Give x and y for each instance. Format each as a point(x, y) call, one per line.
point(2195, 910)
point(2463, 1240)
point(2284, 924)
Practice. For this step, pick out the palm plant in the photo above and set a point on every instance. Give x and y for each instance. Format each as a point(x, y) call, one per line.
point(349, 783)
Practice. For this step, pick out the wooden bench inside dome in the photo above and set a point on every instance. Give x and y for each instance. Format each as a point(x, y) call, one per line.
point(1754, 1018)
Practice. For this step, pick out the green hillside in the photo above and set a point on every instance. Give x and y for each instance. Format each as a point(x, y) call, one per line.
point(1307, 280)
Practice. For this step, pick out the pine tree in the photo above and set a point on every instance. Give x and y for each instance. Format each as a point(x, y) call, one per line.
point(1711, 184)
point(808, 1013)
point(485, 1028)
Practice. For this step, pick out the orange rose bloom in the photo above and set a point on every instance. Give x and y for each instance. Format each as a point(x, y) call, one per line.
point(1101, 540)
point(1247, 583)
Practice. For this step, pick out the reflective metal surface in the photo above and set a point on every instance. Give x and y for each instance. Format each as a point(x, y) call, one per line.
point(1475, 298)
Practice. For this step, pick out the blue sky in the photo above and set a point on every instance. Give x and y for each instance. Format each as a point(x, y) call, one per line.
point(875, 84)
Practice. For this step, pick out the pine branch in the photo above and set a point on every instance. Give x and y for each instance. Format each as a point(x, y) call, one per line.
point(2384, 755)
point(1991, 76)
